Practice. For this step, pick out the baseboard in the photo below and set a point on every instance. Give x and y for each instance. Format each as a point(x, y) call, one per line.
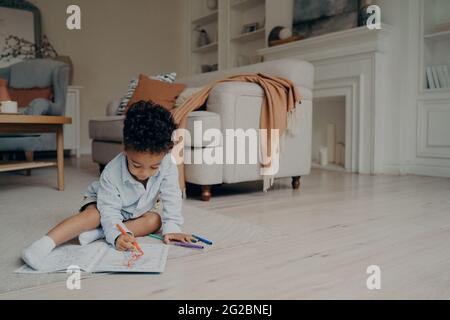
point(417, 169)
point(393, 169)
point(427, 170)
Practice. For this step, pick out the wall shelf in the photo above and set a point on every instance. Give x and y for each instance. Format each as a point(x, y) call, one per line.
point(206, 19)
point(436, 91)
point(245, 4)
point(208, 48)
point(249, 36)
point(438, 36)
point(434, 46)
point(229, 47)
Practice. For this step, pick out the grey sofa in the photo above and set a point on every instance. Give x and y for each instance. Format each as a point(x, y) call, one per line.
point(31, 74)
point(230, 105)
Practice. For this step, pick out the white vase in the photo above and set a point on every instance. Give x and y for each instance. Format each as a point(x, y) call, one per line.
point(323, 152)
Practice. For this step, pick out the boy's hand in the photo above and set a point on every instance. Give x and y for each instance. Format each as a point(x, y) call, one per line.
point(124, 242)
point(178, 237)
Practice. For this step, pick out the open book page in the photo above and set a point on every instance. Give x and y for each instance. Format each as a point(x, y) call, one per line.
point(153, 260)
point(66, 255)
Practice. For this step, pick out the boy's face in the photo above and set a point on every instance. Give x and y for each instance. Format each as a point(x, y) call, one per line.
point(143, 165)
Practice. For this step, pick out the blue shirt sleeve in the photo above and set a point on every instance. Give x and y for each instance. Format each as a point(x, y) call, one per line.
point(109, 204)
point(171, 198)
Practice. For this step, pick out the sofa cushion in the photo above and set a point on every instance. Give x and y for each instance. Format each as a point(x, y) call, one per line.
point(106, 129)
point(159, 92)
point(168, 77)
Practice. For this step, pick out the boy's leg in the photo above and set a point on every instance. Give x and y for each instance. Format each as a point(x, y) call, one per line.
point(144, 225)
point(86, 220)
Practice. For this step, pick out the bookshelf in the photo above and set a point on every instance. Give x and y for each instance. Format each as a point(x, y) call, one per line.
point(200, 17)
point(435, 46)
point(243, 45)
point(236, 29)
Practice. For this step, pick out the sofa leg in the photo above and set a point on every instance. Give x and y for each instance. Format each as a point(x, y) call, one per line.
point(101, 167)
point(29, 155)
point(206, 193)
point(296, 183)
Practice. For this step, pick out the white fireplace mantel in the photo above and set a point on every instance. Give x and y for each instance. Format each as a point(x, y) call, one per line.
point(332, 45)
point(352, 64)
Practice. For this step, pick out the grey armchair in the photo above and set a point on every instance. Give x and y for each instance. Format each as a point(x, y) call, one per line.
point(31, 74)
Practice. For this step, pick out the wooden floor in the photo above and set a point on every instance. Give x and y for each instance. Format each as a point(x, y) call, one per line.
point(333, 229)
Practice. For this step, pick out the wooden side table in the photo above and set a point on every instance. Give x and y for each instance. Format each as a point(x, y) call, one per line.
point(18, 123)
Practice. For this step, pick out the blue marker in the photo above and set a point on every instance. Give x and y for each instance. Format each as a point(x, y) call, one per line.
point(202, 239)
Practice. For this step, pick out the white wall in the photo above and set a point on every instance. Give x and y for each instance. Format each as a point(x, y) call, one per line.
point(118, 39)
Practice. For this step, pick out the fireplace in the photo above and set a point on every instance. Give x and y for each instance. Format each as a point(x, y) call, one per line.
point(350, 68)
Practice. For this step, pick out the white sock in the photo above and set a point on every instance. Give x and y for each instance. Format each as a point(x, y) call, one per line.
point(37, 251)
point(90, 236)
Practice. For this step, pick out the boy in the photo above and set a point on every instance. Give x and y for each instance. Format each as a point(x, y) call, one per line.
point(127, 190)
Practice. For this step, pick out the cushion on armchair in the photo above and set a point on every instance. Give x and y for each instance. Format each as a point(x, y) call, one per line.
point(38, 107)
point(25, 96)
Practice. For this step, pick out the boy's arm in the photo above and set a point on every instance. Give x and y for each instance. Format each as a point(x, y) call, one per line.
point(172, 200)
point(109, 205)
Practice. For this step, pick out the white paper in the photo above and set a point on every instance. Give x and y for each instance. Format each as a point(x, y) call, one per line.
point(101, 257)
point(153, 260)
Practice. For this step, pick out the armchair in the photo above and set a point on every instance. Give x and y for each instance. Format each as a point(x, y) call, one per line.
point(36, 73)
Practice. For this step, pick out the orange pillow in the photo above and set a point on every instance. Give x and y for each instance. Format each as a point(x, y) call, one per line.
point(25, 96)
point(160, 92)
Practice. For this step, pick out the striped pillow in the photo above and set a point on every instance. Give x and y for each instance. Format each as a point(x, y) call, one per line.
point(168, 77)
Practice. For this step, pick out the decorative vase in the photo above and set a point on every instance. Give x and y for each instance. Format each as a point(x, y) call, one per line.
point(323, 156)
point(211, 4)
point(203, 38)
point(4, 95)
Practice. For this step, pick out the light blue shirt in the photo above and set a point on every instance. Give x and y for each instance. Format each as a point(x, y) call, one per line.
point(121, 197)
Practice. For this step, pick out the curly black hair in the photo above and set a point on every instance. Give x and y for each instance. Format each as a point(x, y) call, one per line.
point(148, 127)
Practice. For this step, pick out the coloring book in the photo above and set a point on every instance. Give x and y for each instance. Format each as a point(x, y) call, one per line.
point(102, 257)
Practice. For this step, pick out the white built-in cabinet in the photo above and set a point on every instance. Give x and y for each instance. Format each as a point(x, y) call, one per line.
point(230, 46)
point(433, 107)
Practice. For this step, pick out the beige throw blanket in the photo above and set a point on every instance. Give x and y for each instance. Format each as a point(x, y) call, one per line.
point(280, 99)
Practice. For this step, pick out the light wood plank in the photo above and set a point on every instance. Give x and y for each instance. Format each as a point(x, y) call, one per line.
point(22, 119)
point(14, 166)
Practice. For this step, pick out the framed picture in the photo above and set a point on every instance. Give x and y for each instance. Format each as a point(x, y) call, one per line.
point(314, 18)
point(21, 19)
